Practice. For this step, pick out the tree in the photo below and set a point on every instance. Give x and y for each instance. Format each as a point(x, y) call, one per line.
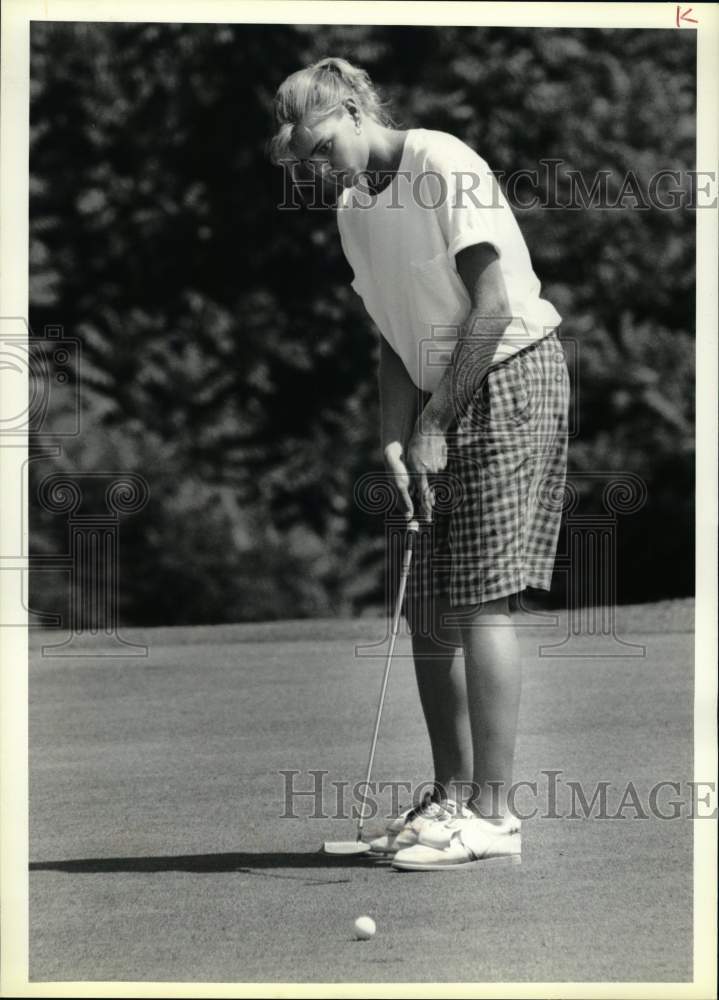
point(227, 360)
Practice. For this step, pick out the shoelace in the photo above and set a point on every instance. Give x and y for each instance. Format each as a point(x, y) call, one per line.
point(453, 822)
point(428, 807)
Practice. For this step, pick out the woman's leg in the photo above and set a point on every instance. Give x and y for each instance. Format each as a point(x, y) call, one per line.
point(443, 694)
point(493, 674)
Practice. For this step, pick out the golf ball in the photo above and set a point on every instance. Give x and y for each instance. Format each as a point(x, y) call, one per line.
point(365, 928)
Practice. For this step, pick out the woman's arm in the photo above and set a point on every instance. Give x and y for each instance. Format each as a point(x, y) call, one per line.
point(478, 266)
point(399, 408)
point(398, 400)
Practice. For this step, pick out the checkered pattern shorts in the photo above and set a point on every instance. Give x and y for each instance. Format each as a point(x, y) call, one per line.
point(498, 502)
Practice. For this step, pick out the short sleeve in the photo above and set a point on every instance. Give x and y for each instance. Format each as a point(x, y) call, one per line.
point(459, 184)
point(362, 282)
point(351, 258)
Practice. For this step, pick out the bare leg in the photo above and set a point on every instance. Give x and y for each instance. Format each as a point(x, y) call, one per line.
point(443, 694)
point(493, 672)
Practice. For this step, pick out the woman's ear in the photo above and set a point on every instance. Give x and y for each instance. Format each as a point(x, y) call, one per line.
point(351, 108)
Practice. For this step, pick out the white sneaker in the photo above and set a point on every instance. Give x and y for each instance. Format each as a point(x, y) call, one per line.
point(383, 844)
point(404, 830)
point(439, 835)
point(462, 843)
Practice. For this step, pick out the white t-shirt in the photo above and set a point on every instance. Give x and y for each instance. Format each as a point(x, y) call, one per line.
point(402, 242)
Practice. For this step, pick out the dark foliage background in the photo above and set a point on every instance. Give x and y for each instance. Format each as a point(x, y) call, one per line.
point(225, 357)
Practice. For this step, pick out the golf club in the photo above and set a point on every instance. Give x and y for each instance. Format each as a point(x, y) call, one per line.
point(358, 846)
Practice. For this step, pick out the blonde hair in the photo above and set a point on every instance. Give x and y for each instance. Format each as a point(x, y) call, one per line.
point(314, 93)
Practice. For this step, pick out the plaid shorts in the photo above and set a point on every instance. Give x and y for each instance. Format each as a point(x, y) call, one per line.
point(498, 502)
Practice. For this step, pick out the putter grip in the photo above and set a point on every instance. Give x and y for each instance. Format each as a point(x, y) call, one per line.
point(412, 532)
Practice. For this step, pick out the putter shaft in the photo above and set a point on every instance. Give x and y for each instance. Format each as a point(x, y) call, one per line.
point(412, 530)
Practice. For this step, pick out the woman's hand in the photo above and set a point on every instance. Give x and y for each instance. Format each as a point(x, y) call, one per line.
point(400, 478)
point(426, 454)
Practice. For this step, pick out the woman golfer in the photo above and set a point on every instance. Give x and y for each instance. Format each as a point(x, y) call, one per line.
point(474, 395)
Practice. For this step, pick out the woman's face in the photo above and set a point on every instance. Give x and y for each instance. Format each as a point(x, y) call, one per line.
point(330, 153)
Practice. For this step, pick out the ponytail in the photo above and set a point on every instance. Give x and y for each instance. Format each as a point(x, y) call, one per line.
point(314, 93)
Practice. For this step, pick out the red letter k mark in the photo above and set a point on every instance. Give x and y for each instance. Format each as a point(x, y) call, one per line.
point(683, 15)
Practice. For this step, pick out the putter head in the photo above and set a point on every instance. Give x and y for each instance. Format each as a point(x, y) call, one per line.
point(346, 847)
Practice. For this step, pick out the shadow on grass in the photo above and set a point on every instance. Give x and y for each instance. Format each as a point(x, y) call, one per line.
point(249, 862)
